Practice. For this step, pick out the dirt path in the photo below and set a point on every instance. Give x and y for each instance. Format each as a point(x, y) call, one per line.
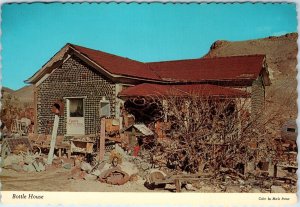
point(58, 180)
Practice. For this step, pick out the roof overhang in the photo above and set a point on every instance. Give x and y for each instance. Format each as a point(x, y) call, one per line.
point(67, 50)
point(114, 77)
point(47, 68)
point(188, 90)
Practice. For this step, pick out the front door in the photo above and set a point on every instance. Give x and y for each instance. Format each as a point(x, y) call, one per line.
point(75, 116)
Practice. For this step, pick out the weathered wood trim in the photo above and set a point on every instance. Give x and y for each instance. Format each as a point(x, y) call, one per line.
point(57, 57)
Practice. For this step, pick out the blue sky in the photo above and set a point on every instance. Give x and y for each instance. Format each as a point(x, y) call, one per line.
point(33, 33)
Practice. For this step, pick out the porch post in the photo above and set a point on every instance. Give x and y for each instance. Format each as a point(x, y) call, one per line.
point(102, 139)
point(53, 139)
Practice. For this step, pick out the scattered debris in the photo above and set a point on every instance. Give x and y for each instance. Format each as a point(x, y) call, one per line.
point(277, 189)
point(82, 144)
point(67, 166)
point(90, 177)
point(12, 159)
point(21, 126)
point(157, 164)
point(29, 168)
point(85, 167)
point(190, 187)
point(115, 175)
point(17, 167)
point(15, 146)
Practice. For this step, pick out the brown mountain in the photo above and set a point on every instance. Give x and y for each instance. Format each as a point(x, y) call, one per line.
point(24, 94)
point(281, 57)
point(5, 90)
point(281, 51)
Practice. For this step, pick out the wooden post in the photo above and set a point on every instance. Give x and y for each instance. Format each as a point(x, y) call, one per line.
point(121, 122)
point(69, 153)
point(178, 185)
point(275, 171)
point(53, 139)
point(102, 140)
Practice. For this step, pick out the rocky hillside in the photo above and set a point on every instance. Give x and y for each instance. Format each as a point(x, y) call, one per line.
point(281, 56)
point(24, 95)
point(16, 105)
point(281, 52)
point(5, 91)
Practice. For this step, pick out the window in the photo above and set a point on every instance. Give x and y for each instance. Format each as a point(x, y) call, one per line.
point(76, 107)
point(104, 108)
point(291, 129)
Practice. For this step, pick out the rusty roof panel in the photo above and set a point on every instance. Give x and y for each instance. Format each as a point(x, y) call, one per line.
point(14, 143)
point(238, 69)
point(147, 89)
point(210, 69)
point(143, 129)
point(116, 64)
point(192, 70)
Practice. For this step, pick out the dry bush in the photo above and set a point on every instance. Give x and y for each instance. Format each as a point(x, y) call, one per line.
point(11, 107)
point(209, 134)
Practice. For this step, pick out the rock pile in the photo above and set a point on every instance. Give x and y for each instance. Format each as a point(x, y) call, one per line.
point(100, 171)
point(24, 162)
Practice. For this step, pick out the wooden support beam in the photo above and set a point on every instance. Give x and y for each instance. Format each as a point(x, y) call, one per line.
point(53, 139)
point(69, 153)
point(275, 171)
point(178, 185)
point(102, 140)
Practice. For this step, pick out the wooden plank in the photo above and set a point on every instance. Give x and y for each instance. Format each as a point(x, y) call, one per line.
point(168, 181)
point(115, 139)
point(178, 185)
point(78, 137)
point(89, 147)
point(287, 178)
point(186, 176)
point(189, 179)
point(287, 166)
point(53, 140)
point(69, 153)
point(172, 180)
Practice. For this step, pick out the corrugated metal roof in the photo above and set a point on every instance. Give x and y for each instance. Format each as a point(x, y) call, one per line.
point(116, 64)
point(147, 89)
point(210, 69)
point(241, 69)
point(192, 70)
point(143, 129)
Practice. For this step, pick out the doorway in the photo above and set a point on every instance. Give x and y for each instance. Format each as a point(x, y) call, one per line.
point(75, 116)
